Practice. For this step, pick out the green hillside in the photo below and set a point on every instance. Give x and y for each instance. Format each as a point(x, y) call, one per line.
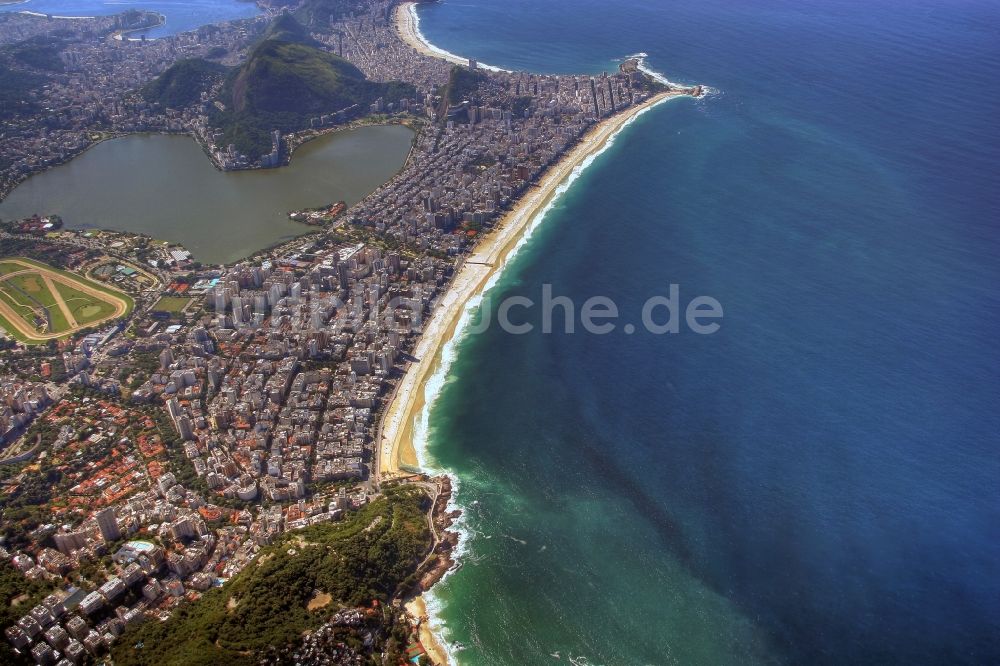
point(25, 67)
point(287, 80)
point(463, 83)
point(40, 52)
point(182, 84)
point(371, 555)
point(284, 77)
point(15, 89)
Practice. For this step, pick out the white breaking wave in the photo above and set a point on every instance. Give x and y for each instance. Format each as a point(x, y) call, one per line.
point(437, 381)
point(448, 55)
point(661, 78)
point(432, 602)
point(645, 69)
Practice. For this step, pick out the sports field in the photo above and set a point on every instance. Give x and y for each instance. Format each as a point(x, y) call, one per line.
point(40, 303)
point(172, 304)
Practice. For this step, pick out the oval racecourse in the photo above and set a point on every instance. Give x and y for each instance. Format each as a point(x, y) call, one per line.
point(40, 303)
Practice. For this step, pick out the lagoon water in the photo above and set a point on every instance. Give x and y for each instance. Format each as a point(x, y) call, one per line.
point(166, 187)
point(816, 482)
point(182, 15)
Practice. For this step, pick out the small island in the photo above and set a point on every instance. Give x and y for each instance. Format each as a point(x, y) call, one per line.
point(318, 216)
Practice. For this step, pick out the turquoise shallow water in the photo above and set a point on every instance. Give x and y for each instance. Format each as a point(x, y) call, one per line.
point(815, 483)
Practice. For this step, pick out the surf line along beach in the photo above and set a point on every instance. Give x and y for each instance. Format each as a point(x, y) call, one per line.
point(397, 450)
point(407, 24)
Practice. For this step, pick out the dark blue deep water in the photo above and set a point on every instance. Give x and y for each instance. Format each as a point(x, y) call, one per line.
point(818, 481)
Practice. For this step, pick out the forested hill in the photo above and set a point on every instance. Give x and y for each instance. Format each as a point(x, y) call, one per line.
point(182, 84)
point(286, 80)
point(323, 12)
point(265, 610)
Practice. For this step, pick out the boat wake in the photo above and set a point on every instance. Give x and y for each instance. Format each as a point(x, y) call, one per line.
point(43, 15)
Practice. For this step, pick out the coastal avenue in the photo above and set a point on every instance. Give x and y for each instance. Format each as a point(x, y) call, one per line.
point(396, 430)
point(242, 427)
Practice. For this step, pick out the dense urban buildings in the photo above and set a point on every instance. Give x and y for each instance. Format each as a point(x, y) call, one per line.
point(151, 460)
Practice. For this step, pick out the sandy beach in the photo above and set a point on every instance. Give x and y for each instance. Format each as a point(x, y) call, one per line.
point(406, 25)
point(396, 447)
point(397, 453)
point(418, 610)
point(408, 29)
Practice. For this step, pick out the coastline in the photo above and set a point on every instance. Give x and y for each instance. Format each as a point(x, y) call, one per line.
point(407, 24)
point(121, 34)
point(487, 260)
point(398, 454)
point(417, 608)
point(408, 29)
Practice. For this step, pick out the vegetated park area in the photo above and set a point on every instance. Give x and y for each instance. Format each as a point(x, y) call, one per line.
point(39, 303)
point(172, 304)
point(293, 586)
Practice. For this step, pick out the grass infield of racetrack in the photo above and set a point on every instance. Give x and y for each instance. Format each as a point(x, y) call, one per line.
point(24, 292)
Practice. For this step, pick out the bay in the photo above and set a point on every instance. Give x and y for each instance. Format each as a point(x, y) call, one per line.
point(182, 15)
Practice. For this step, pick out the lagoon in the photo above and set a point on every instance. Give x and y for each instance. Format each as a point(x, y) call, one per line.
point(165, 187)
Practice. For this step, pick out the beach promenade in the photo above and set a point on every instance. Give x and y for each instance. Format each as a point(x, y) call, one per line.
point(396, 454)
point(397, 448)
point(408, 29)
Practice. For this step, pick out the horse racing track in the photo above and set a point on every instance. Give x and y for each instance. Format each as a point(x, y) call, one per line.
point(40, 303)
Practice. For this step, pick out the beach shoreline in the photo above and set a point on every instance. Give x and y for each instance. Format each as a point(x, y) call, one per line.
point(417, 608)
point(408, 28)
point(397, 454)
point(396, 448)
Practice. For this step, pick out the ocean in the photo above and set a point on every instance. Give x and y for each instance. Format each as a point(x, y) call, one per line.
point(817, 481)
point(182, 15)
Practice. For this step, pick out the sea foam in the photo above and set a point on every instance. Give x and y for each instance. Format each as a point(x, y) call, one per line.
point(435, 384)
point(438, 379)
point(661, 78)
point(438, 50)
